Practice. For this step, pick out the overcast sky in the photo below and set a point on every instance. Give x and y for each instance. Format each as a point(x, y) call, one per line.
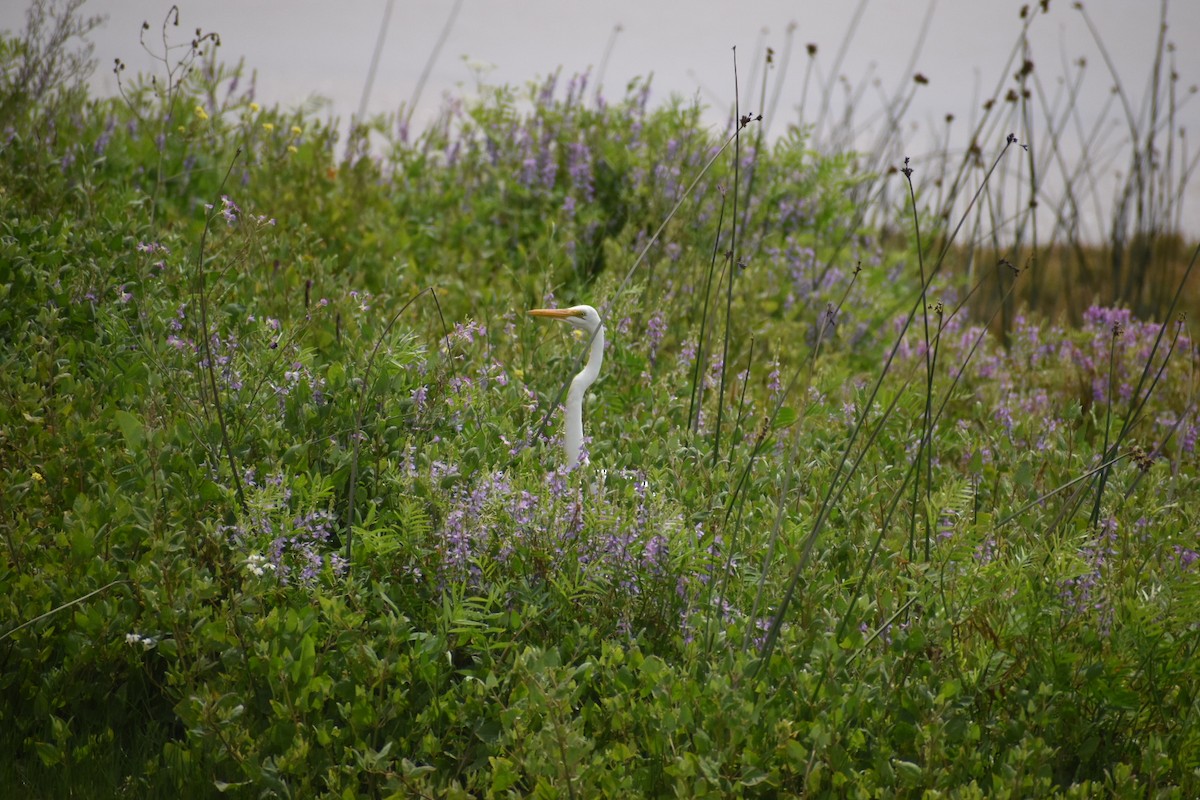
point(302, 48)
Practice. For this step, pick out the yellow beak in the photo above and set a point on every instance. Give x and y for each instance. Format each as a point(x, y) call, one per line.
point(554, 313)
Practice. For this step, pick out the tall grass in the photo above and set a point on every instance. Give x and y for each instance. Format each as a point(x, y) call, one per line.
point(1096, 210)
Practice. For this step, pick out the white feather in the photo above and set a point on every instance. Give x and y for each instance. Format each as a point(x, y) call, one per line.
point(586, 319)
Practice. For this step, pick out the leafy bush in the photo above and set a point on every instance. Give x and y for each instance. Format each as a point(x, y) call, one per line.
point(282, 518)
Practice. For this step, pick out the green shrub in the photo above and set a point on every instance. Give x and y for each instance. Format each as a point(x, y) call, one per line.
point(282, 518)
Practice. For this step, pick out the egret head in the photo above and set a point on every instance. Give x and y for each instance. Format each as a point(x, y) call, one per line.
point(584, 318)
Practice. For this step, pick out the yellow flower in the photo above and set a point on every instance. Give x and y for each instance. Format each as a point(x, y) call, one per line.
point(268, 127)
point(201, 114)
point(37, 477)
point(296, 130)
point(292, 148)
point(255, 107)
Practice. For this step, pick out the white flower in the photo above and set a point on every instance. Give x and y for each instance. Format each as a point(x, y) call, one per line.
point(146, 642)
point(257, 564)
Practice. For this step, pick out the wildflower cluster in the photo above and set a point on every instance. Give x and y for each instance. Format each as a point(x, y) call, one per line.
point(1084, 593)
point(1114, 335)
point(620, 541)
point(1030, 400)
point(302, 551)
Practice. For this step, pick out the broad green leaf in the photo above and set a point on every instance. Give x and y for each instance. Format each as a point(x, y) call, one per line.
point(131, 428)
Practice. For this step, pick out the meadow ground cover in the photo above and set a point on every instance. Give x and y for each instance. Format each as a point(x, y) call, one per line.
point(283, 513)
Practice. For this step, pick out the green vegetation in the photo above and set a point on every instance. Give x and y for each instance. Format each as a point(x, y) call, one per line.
point(281, 513)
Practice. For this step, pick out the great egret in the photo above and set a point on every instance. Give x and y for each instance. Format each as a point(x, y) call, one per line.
point(586, 319)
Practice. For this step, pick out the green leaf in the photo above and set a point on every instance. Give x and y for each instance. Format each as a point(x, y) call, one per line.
point(48, 753)
point(1088, 747)
point(504, 774)
point(1024, 475)
point(295, 454)
point(950, 689)
point(909, 773)
point(209, 491)
point(131, 428)
point(785, 418)
point(753, 776)
point(223, 787)
point(302, 668)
